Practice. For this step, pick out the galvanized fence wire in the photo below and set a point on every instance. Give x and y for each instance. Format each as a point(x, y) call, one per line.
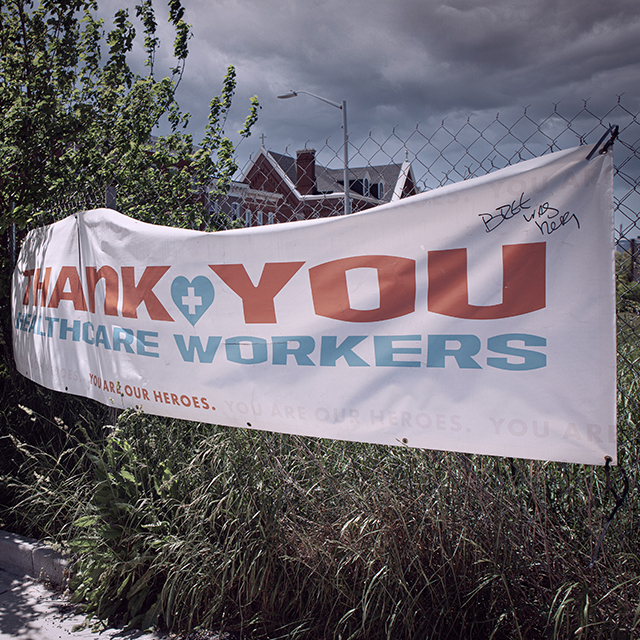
point(277, 185)
point(404, 162)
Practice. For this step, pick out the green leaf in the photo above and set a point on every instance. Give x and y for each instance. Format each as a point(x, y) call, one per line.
point(86, 521)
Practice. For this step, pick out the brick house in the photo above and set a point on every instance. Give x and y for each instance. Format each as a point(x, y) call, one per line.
point(279, 188)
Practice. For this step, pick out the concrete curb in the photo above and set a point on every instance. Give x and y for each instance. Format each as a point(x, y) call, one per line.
point(26, 556)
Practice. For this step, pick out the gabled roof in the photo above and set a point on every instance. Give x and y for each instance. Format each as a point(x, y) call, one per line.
point(285, 167)
point(406, 182)
point(393, 177)
point(286, 163)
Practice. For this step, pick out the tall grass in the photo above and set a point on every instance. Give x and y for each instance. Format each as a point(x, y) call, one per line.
point(279, 536)
point(187, 525)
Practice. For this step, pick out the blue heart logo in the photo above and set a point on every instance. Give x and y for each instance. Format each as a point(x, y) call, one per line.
point(192, 298)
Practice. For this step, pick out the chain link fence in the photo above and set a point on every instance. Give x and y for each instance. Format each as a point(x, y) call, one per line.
point(276, 186)
point(282, 186)
point(491, 546)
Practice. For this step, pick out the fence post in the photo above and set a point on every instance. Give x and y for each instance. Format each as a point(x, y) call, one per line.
point(110, 198)
point(12, 241)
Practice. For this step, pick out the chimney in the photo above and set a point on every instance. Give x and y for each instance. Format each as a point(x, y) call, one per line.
point(306, 171)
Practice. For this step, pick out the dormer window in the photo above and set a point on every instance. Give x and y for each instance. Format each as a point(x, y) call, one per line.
point(377, 190)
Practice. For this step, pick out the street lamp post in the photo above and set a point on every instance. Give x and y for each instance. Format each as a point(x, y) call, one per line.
point(343, 108)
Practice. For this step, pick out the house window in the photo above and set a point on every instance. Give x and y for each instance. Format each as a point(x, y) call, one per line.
point(247, 218)
point(271, 217)
point(236, 210)
point(365, 190)
point(377, 190)
point(260, 218)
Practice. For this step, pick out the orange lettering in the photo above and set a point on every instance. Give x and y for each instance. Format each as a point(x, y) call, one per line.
point(257, 302)
point(396, 281)
point(110, 277)
point(28, 274)
point(41, 286)
point(75, 294)
point(134, 295)
point(523, 283)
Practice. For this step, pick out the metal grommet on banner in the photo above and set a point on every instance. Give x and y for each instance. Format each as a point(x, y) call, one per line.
point(619, 502)
point(610, 141)
point(612, 131)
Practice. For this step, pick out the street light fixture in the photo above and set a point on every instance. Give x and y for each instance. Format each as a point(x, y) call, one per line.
point(343, 108)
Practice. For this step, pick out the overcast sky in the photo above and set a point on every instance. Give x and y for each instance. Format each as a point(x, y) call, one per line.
point(402, 62)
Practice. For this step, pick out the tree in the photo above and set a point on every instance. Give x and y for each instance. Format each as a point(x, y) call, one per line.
point(76, 121)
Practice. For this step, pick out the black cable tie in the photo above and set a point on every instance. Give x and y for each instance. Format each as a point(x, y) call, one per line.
point(619, 502)
point(613, 132)
point(609, 143)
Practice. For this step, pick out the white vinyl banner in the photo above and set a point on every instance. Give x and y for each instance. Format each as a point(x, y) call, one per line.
point(478, 317)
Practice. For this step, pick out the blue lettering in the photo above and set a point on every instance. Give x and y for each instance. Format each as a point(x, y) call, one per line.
point(85, 333)
point(39, 328)
point(143, 343)
point(75, 330)
point(102, 338)
point(385, 351)
point(469, 345)
point(258, 345)
point(123, 337)
point(52, 322)
point(33, 324)
point(530, 359)
point(195, 346)
point(330, 352)
point(281, 349)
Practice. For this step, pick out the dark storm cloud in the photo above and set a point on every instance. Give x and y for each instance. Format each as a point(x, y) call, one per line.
point(403, 61)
